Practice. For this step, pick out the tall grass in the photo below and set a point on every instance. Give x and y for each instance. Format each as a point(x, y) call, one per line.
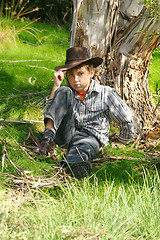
point(86, 210)
point(10, 12)
point(11, 30)
point(12, 9)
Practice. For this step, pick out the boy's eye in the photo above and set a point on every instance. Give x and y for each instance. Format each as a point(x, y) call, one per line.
point(80, 73)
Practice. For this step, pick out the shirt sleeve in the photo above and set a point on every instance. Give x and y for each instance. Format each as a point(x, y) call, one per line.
point(121, 114)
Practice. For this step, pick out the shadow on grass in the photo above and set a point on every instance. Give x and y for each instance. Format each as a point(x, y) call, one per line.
point(124, 171)
point(15, 136)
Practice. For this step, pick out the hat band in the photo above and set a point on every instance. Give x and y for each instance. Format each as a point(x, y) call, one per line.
point(75, 60)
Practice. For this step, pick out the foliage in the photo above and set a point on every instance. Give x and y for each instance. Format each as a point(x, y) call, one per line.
point(12, 9)
point(10, 12)
point(153, 8)
point(59, 11)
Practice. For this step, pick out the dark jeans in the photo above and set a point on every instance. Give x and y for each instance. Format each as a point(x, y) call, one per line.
point(82, 145)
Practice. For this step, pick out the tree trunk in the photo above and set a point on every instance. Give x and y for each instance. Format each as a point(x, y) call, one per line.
point(118, 31)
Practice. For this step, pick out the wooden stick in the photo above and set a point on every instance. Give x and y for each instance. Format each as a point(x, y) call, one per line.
point(137, 140)
point(23, 122)
point(34, 60)
point(41, 67)
point(17, 90)
point(112, 158)
point(23, 95)
point(20, 146)
point(35, 140)
point(3, 157)
point(19, 171)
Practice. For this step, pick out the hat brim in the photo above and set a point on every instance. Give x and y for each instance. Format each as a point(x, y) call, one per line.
point(96, 61)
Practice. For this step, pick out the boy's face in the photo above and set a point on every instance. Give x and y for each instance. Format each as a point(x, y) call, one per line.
point(80, 78)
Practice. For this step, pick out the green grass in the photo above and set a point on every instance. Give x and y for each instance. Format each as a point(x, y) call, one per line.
point(47, 44)
point(119, 201)
point(86, 210)
point(154, 73)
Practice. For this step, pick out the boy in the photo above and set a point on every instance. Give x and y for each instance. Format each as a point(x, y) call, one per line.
point(79, 115)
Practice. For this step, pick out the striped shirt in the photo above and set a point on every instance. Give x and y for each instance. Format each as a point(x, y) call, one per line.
point(100, 106)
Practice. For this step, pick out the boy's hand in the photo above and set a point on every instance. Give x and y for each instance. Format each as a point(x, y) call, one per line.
point(58, 77)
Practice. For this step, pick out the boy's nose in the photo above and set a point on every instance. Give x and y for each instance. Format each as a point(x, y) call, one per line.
point(75, 78)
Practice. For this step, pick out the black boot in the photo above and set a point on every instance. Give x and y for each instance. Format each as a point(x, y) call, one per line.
point(78, 170)
point(46, 143)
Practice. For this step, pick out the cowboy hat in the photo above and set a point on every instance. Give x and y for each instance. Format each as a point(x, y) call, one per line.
point(76, 56)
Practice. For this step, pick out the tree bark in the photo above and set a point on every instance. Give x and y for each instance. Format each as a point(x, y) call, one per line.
point(119, 32)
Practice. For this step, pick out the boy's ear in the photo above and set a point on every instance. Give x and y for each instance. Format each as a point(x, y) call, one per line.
point(92, 72)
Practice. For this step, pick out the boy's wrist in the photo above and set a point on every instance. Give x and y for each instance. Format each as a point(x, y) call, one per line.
point(56, 86)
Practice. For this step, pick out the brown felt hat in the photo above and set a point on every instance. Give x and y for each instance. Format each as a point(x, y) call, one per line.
point(76, 56)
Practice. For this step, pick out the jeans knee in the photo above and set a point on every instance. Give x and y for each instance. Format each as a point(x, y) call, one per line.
point(64, 90)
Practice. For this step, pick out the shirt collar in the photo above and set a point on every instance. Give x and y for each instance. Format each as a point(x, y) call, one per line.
point(94, 87)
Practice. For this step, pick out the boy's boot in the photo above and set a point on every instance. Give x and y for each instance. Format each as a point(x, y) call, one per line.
point(78, 170)
point(46, 143)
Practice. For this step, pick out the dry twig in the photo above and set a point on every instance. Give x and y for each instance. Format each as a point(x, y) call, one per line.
point(29, 60)
point(23, 95)
point(40, 67)
point(3, 157)
point(113, 158)
point(35, 140)
point(18, 169)
point(19, 145)
point(23, 122)
point(137, 140)
point(38, 181)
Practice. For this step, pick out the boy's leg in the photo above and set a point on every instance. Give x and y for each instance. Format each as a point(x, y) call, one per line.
point(59, 121)
point(82, 149)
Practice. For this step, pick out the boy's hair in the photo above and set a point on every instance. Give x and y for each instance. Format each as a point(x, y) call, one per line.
point(88, 66)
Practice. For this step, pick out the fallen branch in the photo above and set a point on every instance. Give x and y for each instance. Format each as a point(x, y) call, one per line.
point(20, 146)
point(40, 67)
point(30, 60)
point(23, 95)
point(3, 157)
point(38, 181)
point(18, 90)
point(112, 158)
point(18, 169)
point(23, 122)
point(137, 140)
point(35, 140)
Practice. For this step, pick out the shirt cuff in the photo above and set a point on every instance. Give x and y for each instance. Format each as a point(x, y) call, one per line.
point(124, 140)
point(126, 133)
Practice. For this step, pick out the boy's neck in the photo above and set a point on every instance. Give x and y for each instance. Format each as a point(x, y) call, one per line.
point(81, 94)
